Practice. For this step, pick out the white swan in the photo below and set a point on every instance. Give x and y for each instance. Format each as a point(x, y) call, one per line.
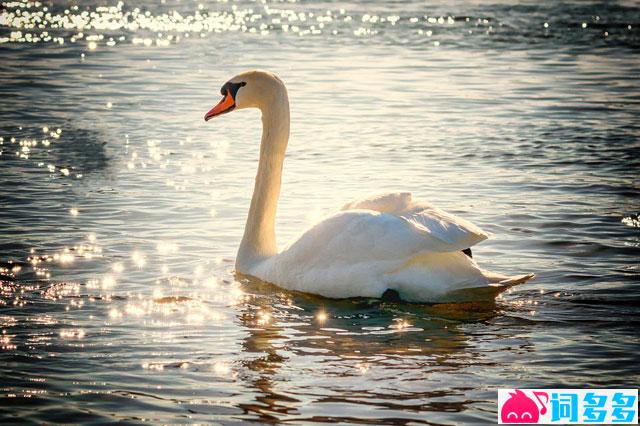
point(381, 244)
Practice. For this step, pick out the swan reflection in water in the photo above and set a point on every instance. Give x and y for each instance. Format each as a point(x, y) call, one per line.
point(356, 357)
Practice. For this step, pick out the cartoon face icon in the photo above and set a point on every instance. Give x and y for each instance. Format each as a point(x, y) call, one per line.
point(519, 408)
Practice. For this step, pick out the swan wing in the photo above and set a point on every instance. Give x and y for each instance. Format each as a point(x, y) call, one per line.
point(347, 254)
point(454, 232)
point(363, 253)
point(384, 203)
point(362, 235)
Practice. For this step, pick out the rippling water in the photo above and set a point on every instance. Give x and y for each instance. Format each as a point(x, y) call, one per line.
point(121, 211)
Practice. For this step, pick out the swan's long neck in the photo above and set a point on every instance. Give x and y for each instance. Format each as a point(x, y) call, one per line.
point(259, 240)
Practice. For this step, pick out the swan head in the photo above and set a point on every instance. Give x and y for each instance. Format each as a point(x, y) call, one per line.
point(250, 89)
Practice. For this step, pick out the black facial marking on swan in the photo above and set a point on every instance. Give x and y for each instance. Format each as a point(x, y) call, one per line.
point(231, 88)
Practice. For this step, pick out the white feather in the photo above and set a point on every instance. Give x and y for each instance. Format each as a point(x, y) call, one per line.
point(362, 253)
point(456, 232)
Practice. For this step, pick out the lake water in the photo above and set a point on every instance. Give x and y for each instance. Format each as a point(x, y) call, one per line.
point(121, 210)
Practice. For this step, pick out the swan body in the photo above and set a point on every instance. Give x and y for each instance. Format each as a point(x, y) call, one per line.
point(386, 242)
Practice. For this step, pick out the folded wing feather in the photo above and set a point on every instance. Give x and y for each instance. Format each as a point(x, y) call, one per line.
point(455, 233)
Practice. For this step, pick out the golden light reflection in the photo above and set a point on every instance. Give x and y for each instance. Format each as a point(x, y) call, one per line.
point(167, 247)
point(363, 368)
point(221, 368)
point(237, 295)
point(59, 291)
point(5, 342)
point(166, 310)
point(264, 318)
point(400, 324)
point(632, 221)
point(211, 282)
point(195, 318)
point(154, 366)
point(108, 282)
point(72, 334)
point(138, 259)
point(66, 257)
point(33, 22)
point(135, 310)
point(158, 293)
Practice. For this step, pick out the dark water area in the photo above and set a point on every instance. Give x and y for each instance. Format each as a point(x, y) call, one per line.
point(121, 211)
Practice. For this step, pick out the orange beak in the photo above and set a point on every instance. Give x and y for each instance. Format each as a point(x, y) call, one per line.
point(227, 104)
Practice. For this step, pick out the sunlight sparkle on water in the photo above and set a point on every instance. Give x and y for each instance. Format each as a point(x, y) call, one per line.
point(264, 318)
point(65, 257)
point(221, 368)
point(108, 281)
point(154, 366)
point(167, 247)
point(211, 282)
point(400, 324)
point(5, 342)
point(321, 316)
point(632, 221)
point(72, 334)
point(363, 368)
point(138, 259)
point(32, 22)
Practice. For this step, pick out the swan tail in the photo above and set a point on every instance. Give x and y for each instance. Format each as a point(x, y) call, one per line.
point(489, 291)
point(449, 278)
point(509, 281)
point(517, 279)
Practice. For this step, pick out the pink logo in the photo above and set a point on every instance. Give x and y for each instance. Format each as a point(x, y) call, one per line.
point(519, 408)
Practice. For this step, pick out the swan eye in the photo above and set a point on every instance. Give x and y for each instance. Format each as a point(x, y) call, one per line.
point(231, 88)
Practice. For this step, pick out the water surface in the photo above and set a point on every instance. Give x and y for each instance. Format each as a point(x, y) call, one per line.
point(121, 210)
